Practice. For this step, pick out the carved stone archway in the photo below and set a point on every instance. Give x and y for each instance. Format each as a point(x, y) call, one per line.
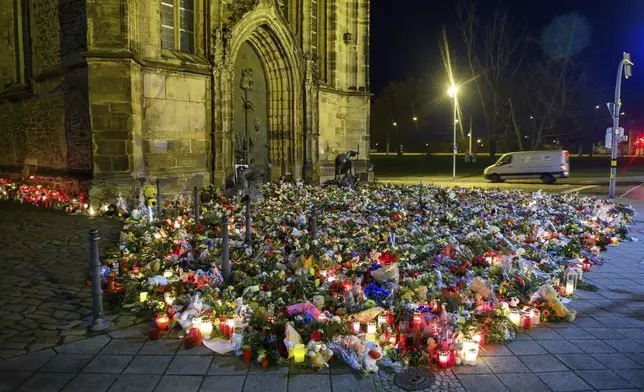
point(265, 29)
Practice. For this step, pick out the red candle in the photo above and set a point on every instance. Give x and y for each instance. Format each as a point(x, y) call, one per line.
point(247, 353)
point(389, 315)
point(154, 333)
point(223, 326)
point(416, 320)
point(264, 362)
point(527, 321)
point(443, 358)
point(110, 281)
point(452, 358)
point(162, 321)
point(586, 267)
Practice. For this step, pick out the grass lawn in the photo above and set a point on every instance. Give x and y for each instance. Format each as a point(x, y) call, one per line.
point(439, 165)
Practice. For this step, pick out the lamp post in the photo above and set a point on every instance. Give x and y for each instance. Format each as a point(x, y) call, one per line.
point(470, 135)
point(452, 92)
point(614, 109)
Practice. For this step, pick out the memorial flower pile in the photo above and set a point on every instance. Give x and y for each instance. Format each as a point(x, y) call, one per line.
point(32, 193)
point(387, 274)
point(383, 276)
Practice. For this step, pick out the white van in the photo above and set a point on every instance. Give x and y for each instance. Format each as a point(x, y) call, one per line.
point(546, 165)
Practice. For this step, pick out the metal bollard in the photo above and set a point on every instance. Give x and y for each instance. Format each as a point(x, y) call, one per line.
point(313, 225)
point(195, 195)
point(248, 232)
point(225, 250)
point(98, 323)
point(159, 198)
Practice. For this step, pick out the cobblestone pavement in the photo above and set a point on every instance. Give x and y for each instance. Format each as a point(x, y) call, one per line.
point(44, 264)
point(603, 349)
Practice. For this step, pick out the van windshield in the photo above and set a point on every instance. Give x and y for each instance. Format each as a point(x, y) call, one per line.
point(504, 160)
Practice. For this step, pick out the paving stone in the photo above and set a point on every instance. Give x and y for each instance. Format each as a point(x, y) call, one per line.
point(542, 363)
point(564, 381)
point(625, 346)
point(267, 383)
point(28, 362)
point(90, 382)
point(481, 367)
point(492, 350)
point(11, 379)
point(85, 346)
point(123, 346)
point(574, 333)
point(271, 369)
point(633, 376)
point(310, 383)
point(135, 383)
point(189, 365)
point(67, 363)
point(481, 383)
point(505, 364)
point(6, 353)
point(580, 361)
point(149, 364)
point(71, 339)
point(543, 333)
point(46, 382)
point(526, 347)
point(201, 350)
point(228, 366)
point(632, 333)
point(594, 346)
point(160, 347)
point(616, 361)
point(108, 364)
point(559, 346)
point(231, 384)
point(73, 331)
point(352, 382)
point(637, 357)
point(181, 384)
point(524, 382)
point(604, 379)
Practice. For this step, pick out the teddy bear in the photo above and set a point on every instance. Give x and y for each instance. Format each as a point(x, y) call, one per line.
point(372, 353)
point(319, 354)
point(549, 294)
point(150, 193)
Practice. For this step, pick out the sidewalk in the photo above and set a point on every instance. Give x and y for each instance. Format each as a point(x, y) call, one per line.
point(415, 179)
point(603, 349)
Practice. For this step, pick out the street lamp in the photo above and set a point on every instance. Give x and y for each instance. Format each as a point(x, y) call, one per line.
point(625, 68)
point(452, 91)
point(415, 118)
point(395, 124)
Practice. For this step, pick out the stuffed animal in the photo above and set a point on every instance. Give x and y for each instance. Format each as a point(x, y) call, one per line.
point(319, 354)
point(372, 353)
point(150, 193)
point(549, 294)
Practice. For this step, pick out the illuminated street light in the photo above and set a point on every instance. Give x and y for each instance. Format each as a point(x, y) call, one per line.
point(531, 117)
point(622, 114)
point(395, 124)
point(597, 107)
point(415, 118)
point(452, 91)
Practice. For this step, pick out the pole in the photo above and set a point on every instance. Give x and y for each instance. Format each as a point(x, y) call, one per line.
point(471, 136)
point(225, 250)
point(98, 323)
point(454, 145)
point(615, 114)
point(248, 232)
point(195, 196)
point(247, 147)
point(159, 198)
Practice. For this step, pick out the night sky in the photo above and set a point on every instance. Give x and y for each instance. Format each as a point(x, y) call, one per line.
point(406, 35)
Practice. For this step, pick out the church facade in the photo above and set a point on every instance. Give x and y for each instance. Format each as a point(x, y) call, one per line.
point(100, 93)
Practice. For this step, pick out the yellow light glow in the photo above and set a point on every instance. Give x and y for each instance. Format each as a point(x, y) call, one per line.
point(452, 90)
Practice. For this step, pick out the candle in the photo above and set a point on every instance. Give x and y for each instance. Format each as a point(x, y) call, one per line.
point(322, 317)
point(570, 287)
point(168, 297)
point(298, 352)
point(443, 358)
point(230, 329)
point(223, 326)
point(527, 320)
point(471, 355)
point(371, 327)
point(162, 321)
point(247, 354)
point(110, 281)
point(536, 316)
point(143, 296)
point(515, 317)
point(356, 326)
point(382, 319)
point(204, 325)
point(154, 333)
point(91, 211)
point(390, 317)
point(416, 320)
point(452, 358)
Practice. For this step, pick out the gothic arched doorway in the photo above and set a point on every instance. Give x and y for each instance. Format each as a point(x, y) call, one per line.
point(250, 108)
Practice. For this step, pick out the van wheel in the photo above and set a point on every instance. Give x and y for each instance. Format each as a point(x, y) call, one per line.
point(548, 179)
point(495, 178)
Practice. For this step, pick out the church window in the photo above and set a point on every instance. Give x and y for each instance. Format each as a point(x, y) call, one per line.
point(314, 26)
point(22, 32)
point(178, 25)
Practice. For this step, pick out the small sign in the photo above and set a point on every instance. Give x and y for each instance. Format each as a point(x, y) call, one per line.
point(159, 146)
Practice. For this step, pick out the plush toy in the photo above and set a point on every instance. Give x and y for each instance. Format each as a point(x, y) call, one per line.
point(150, 193)
point(548, 294)
point(319, 354)
point(372, 353)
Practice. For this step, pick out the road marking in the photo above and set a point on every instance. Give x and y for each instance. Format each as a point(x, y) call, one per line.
point(579, 189)
point(631, 190)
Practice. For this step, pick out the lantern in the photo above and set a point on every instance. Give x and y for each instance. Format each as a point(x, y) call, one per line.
point(143, 296)
point(443, 358)
point(381, 319)
point(298, 352)
point(371, 327)
point(356, 326)
point(572, 275)
point(162, 321)
point(536, 316)
point(471, 355)
point(515, 317)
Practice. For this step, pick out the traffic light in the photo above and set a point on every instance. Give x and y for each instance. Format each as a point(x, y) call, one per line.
point(628, 64)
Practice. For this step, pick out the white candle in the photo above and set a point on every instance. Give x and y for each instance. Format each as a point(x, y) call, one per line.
point(515, 317)
point(570, 288)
